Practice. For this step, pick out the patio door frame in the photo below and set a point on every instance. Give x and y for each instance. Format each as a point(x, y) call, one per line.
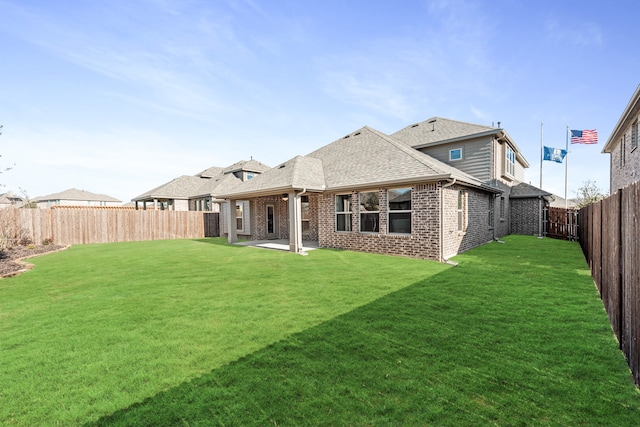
point(273, 217)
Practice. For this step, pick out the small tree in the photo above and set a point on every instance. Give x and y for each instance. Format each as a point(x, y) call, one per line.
point(589, 193)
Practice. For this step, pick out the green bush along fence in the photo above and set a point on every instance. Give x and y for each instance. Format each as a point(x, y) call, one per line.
point(610, 239)
point(70, 226)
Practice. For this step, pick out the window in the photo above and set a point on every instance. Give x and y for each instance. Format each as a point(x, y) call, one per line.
point(461, 211)
point(239, 217)
point(491, 204)
point(369, 212)
point(501, 208)
point(455, 154)
point(250, 175)
point(622, 150)
point(634, 135)
point(400, 210)
point(510, 161)
point(305, 214)
point(343, 212)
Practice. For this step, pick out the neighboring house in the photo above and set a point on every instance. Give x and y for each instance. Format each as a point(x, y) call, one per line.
point(198, 192)
point(75, 197)
point(8, 200)
point(398, 194)
point(622, 146)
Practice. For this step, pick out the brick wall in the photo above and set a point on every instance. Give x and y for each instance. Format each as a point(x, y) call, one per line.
point(625, 163)
point(476, 226)
point(525, 214)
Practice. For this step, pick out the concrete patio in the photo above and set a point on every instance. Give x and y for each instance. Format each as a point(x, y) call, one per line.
point(278, 244)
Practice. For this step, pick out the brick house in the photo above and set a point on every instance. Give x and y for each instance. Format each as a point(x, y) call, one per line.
point(622, 146)
point(398, 194)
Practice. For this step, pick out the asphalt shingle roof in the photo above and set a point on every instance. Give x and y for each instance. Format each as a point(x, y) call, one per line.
point(75, 194)
point(524, 190)
point(440, 130)
point(177, 188)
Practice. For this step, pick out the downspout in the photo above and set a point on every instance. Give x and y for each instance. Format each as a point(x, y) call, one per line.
point(448, 184)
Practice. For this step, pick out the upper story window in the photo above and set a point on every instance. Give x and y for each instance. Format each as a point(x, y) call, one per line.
point(510, 161)
point(369, 212)
point(400, 210)
point(455, 154)
point(343, 212)
point(249, 175)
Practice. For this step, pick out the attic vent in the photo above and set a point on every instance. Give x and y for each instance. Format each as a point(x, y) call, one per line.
point(346, 137)
point(433, 125)
point(356, 134)
point(281, 166)
point(415, 126)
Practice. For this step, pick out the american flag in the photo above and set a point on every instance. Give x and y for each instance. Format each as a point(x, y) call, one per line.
point(584, 136)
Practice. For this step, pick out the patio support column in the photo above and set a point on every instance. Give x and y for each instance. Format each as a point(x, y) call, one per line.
point(295, 222)
point(232, 235)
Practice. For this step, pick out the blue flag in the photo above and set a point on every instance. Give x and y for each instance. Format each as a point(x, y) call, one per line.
point(554, 154)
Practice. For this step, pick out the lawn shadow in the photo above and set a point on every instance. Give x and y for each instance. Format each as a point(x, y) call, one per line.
point(457, 348)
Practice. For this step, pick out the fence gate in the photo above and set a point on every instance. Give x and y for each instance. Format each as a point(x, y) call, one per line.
point(561, 223)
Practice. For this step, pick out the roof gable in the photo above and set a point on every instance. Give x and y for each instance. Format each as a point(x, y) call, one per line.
point(369, 157)
point(440, 130)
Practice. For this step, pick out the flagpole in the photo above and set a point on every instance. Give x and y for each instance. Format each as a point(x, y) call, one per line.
point(541, 152)
point(566, 169)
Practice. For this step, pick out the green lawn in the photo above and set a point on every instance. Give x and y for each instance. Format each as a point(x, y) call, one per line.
point(196, 332)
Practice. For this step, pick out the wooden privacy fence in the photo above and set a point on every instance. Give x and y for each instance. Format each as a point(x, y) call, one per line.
point(561, 223)
point(610, 240)
point(72, 226)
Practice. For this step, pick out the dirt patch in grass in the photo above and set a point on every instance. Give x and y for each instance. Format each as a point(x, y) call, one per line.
point(11, 259)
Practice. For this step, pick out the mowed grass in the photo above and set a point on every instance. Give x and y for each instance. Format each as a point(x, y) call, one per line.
point(200, 333)
point(97, 328)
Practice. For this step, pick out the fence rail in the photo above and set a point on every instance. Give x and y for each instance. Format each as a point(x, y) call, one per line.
point(610, 239)
point(95, 225)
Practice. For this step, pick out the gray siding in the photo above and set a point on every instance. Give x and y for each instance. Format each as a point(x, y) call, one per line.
point(476, 156)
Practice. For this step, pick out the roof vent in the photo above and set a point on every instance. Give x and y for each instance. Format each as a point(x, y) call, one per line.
point(433, 125)
point(356, 134)
point(281, 166)
point(415, 126)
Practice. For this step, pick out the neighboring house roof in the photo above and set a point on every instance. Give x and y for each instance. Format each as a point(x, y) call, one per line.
point(365, 158)
point(438, 130)
point(78, 195)
point(206, 183)
point(559, 202)
point(525, 191)
point(628, 115)
point(178, 188)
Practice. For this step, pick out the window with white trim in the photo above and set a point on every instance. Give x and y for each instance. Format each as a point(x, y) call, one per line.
point(343, 212)
point(239, 217)
point(455, 154)
point(462, 205)
point(510, 161)
point(399, 212)
point(634, 135)
point(369, 212)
